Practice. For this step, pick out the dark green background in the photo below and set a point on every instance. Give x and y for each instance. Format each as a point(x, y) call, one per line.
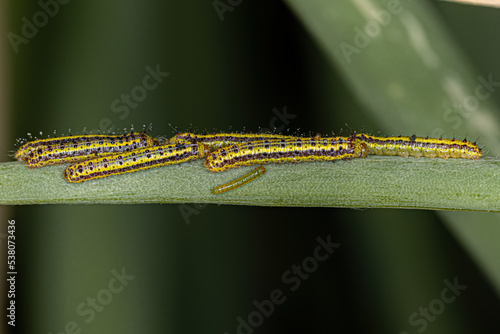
point(200, 274)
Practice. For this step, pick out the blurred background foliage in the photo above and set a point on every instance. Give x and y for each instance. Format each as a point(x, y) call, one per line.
point(199, 268)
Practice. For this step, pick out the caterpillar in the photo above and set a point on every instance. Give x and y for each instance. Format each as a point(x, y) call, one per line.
point(219, 140)
point(420, 147)
point(285, 150)
point(59, 150)
point(133, 161)
point(241, 181)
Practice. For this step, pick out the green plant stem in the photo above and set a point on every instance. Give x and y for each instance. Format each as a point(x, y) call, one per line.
point(373, 182)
